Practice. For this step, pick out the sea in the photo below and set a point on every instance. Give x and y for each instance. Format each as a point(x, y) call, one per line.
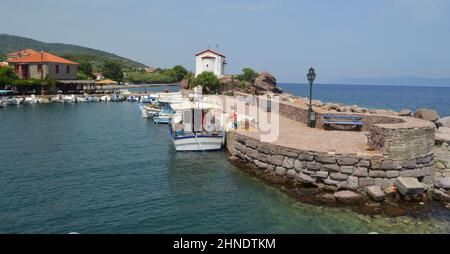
point(378, 96)
point(102, 168)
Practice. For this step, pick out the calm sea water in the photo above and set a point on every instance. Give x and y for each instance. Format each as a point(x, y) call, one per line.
point(101, 168)
point(385, 97)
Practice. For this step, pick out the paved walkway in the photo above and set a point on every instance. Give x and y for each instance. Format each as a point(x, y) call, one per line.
point(297, 135)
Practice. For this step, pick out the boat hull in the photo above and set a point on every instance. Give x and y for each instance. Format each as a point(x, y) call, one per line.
point(198, 143)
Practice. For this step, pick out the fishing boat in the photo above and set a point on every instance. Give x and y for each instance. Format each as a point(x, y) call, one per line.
point(197, 127)
point(164, 116)
point(105, 98)
point(58, 99)
point(81, 99)
point(92, 99)
point(149, 111)
point(132, 98)
point(43, 100)
point(31, 99)
point(69, 98)
point(117, 97)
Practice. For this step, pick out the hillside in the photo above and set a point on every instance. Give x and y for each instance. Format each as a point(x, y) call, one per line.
point(10, 43)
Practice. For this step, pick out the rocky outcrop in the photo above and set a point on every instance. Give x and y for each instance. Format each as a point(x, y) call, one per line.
point(444, 122)
point(427, 114)
point(405, 112)
point(266, 82)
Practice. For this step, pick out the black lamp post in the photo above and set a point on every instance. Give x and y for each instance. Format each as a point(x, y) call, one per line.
point(311, 115)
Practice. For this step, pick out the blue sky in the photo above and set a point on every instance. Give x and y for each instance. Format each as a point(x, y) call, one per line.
point(341, 39)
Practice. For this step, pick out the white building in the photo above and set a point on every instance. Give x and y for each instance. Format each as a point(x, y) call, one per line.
point(211, 61)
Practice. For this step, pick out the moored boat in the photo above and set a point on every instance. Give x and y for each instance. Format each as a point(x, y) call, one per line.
point(31, 99)
point(197, 127)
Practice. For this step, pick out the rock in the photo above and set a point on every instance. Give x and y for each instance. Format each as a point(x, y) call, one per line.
point(347, 161)
point(338, 176)
point(331, 167)
point(409, 186)
point(440, 165)
point(392, 173)
point(440, 195)
point(447, 206)
point(427, 114)
point(445, 122)
point(184, 84)
point(377, 173)
point(375, 192)
point(313, 166)
point(347, 169)
point(360, 171)
point(326, 159)
point(443, 182)
point(364, 163)
point(326, 198)
point(305, 178)
point(364, 182)
point(352, 183)
point(288, 163)
point(405, 112)
point(349, 197)
point(265, 82)
point(298, 165)
point(280, 171)
point(277, 160)
point(321, 174)
point(291, 173)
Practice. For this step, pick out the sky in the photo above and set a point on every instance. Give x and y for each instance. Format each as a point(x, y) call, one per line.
point(339, 38)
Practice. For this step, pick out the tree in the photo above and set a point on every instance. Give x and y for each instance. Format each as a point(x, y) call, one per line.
point(208, 81)
point(113, 70)
point(249, 75)
point(180, 72)
point(86, 68)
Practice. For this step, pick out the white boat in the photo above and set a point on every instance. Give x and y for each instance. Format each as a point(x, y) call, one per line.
point(14, 100)
point(57, 99)
point(31, 99)
point(201, 134)
point(92, 99)
point(43, 100)
point(105, 98)
point(69, 98)
point(149, 111)
point(81, 99)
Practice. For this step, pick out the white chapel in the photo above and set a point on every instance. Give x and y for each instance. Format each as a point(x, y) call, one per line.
point(209, 60)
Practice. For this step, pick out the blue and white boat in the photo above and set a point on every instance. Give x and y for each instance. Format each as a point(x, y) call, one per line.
point(197, 127)
point(117, 97)
point(164, 116)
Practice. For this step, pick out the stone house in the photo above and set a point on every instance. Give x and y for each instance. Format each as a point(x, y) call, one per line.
point(42, 65)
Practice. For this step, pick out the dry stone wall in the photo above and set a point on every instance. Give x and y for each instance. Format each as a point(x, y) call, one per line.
point(350, 172)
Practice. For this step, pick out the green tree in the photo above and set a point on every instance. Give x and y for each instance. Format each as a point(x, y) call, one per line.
point(180, 72)
point(249, 75)
point(113, 70)
point(208, 81)
point(86, 68)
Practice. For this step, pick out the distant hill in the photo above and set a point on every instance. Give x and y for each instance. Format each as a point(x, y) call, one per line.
point(402, 81)
point(10, 43)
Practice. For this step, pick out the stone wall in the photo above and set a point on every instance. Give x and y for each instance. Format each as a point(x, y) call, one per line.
point(340, 171)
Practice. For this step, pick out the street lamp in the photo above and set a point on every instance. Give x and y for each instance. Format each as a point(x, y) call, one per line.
point(311, 115)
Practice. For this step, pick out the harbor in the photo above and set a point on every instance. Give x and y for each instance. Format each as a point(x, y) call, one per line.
point(80, 175)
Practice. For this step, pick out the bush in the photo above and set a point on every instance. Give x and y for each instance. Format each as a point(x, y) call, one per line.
point(208, 81)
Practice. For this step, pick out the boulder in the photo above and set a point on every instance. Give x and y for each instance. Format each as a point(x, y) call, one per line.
point(184, 84)
point(441, 195)
point(265, 82)
point(409, 186)
point(375, 192)
point(444, 122)
point(349, 197)
point(405, 112)
point(443, 182)
point(326, 198)
point(427, 114)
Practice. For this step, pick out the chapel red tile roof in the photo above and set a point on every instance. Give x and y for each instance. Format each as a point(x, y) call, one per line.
point(208, 50)
point(41, 57)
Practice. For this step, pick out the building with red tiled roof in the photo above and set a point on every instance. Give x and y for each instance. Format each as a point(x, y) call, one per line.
point(40, 65)
point(20, 53)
